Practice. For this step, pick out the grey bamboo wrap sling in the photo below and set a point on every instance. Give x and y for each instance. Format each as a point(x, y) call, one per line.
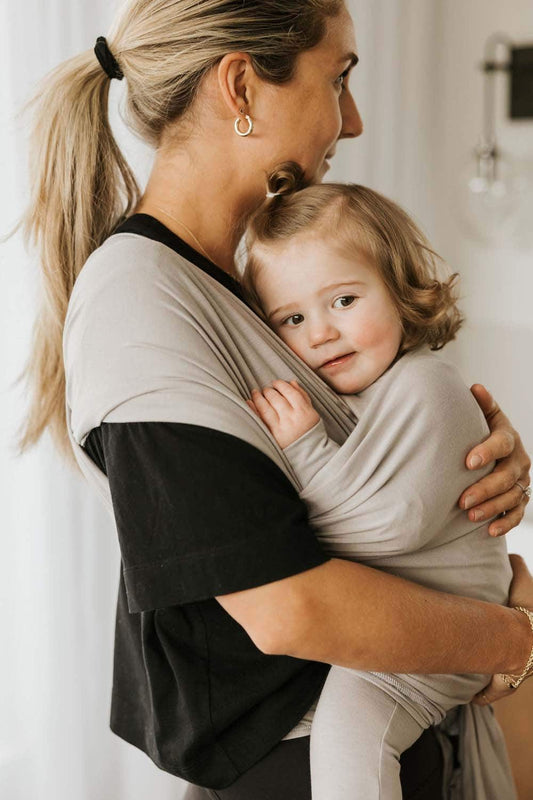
point(151, 337)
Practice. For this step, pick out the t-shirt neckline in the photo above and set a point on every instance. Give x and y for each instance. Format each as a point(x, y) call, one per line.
point(149, 226)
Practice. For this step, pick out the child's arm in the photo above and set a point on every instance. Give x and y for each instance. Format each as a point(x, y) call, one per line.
point(287, 411)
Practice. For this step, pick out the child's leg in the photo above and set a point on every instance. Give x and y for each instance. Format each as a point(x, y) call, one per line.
point(358, 734)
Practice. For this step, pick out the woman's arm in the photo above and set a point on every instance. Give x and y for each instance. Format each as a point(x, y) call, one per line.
point(354, 616)
point(498, 492)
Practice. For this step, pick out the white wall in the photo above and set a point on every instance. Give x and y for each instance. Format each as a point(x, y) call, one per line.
point(497, 278)
point(60, 562)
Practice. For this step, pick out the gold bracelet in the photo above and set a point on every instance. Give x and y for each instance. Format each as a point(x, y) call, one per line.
point(514, 681)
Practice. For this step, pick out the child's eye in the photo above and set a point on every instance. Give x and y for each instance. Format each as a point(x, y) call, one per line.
point(293, 320)
point(344, 301)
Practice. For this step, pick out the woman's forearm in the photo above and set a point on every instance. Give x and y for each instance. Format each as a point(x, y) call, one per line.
point(348, 614)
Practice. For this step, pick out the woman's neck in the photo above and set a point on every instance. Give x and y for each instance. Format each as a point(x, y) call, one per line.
point(203, 204)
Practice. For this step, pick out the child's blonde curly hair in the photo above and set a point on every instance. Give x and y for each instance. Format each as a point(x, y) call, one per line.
point(360, 220)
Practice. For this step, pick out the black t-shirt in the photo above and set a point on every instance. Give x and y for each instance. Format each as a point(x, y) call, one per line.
point(200, 513)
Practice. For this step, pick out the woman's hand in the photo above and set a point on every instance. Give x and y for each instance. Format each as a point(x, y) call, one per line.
point(497, 493)
point(286, 409)
point(520, 594)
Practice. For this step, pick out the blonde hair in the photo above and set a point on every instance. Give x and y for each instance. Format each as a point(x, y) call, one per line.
point(360, 219)
point(82, 186)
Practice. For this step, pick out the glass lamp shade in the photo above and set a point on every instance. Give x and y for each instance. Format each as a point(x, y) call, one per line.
point(492, 191)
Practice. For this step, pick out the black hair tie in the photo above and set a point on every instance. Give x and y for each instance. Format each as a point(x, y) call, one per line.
point(107, 60)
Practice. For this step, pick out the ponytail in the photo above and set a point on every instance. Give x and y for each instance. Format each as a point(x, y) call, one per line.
point(81, 187)
point(269, 223)
point(81, 184)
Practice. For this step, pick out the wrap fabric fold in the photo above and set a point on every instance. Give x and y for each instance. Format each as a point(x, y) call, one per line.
point(479, 768)
point(177, 346)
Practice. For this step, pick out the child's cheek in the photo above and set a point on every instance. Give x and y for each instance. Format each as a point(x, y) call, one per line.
point(369, 330)
point(293, 340)
point(380, 335)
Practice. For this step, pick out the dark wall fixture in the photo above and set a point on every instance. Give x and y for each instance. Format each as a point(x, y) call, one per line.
point(496, 184)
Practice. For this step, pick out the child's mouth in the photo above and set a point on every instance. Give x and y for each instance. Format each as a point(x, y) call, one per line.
point(337, 361)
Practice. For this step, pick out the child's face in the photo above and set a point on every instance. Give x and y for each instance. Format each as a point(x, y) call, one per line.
point(332, 309)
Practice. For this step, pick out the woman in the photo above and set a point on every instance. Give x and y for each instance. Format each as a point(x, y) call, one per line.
point(222, 576)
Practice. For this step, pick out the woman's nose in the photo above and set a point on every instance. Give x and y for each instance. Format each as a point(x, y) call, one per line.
point(352, 124)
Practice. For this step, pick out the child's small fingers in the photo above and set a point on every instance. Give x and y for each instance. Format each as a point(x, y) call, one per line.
point(265, 408)
point(297, 393)
point(290, 392)
point(277, 399)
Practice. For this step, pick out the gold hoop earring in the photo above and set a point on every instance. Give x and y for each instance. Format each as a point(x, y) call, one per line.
point(250, 128)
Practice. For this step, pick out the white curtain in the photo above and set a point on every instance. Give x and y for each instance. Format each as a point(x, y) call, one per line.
point(60, 564)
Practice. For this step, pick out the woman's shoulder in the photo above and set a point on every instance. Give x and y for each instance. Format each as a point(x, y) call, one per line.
point(132, 295)
point(132, 283)
point(126, 262)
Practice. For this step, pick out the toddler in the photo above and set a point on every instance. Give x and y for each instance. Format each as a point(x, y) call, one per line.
point(347, 280)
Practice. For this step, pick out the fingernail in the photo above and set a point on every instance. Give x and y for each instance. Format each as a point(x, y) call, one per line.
point(476, 461)
point(478, 515)
point(497, 531)
point(470, 501)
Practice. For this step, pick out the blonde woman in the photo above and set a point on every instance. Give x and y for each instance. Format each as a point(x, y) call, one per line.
point(228, 610)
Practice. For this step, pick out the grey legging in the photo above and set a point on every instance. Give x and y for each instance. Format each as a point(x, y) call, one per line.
point(284, 774)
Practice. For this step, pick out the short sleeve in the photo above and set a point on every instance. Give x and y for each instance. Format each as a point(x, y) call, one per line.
point(199, 513)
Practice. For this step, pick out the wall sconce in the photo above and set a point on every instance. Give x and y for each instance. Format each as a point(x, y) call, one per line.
point(495, 188)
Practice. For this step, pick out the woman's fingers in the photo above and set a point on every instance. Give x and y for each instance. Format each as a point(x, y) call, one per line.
point(521, 590)
point(500, 444)
point(498, 482)
point(504, 524)
point(494, 691)
point(498, 492)
point(501, 441)
point(494, 494)
point(485, 400)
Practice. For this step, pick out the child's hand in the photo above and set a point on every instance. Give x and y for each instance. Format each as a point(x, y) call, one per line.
point(286, 410)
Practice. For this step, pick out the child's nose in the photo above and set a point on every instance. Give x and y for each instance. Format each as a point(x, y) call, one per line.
point(320, 332)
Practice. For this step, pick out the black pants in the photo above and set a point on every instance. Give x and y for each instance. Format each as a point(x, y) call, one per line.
point(284, 774)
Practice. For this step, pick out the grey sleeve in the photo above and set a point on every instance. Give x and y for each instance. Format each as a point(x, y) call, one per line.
point(310, 453)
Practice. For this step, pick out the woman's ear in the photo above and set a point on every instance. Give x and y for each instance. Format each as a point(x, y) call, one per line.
point(236, 77)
